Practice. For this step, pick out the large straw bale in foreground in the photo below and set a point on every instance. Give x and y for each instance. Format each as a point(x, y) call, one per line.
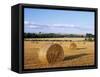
point(50, 54)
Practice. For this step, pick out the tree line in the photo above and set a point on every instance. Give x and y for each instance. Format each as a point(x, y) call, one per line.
point(55, 35)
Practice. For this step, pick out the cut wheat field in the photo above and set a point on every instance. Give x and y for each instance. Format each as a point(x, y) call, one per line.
point(81, 55)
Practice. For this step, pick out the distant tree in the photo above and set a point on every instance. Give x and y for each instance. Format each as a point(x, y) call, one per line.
point(89, 37)
point(40, 32)
point(27, 35)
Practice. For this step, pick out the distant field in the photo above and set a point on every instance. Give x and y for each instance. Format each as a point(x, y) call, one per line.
point(82, 55)
point(55, 39)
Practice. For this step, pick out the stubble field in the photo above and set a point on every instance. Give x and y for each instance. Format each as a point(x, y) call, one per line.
point(81, 55)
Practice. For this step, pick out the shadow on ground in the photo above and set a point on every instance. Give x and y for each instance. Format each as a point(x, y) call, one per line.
point(74, 56)
point(80, 48)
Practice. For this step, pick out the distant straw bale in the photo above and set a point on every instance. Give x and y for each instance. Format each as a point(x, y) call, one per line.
point(73, 46)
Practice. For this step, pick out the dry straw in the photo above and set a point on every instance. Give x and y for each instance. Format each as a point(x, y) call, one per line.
point(51, 54)
point(73, 46)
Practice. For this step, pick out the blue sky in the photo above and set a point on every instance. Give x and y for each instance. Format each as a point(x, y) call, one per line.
point(58, 21)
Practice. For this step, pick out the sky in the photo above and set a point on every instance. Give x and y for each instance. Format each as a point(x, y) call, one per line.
point(58, 21)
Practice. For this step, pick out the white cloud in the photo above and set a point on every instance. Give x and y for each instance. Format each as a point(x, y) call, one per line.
point(64, 25)
point(73, 25)
point(26, 22)
point(30, 24)
point(58, 25)
point(33, 26)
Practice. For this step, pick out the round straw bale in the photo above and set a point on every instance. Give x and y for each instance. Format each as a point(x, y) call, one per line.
point(73, 46)
point(51, 54)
